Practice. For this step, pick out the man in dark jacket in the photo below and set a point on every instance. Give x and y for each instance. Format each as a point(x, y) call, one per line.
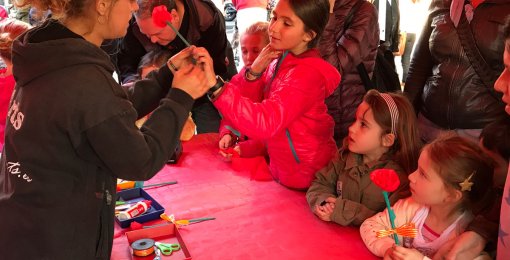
point(345, 44)
point(443, 84)
point(201, 23)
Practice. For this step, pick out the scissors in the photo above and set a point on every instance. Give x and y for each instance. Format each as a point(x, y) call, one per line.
point(167, 249)
point(183, 222)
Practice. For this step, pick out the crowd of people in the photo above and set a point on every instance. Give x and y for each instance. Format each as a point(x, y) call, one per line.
point(68, 124)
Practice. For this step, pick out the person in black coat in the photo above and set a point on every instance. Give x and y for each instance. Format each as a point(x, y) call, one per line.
point(71, 131)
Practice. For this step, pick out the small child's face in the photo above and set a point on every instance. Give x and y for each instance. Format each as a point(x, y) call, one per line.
point(365, 135)
point(251, 46)
point(426, 186)
point(287, 30)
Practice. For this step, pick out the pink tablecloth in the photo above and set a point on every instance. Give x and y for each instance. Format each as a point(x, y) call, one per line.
point(254, 220)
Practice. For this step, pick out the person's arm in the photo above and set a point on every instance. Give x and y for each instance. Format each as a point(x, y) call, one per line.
point(133, 154)
point(130, 53)
point(468, 245)
point(145, 94)
point(275, 113)
point(348, 212)
point(404, 211)
point(420, 68)
point(346, 52)
point(252, 148)
point(324, 184)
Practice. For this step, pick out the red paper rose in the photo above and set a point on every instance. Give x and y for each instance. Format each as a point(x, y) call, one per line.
point(160, 16)
point(386, 179)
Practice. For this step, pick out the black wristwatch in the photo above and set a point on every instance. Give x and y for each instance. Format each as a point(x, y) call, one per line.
point(218, 85)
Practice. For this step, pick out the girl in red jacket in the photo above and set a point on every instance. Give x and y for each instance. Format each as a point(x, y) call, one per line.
point(292, 119)
point(253, 40)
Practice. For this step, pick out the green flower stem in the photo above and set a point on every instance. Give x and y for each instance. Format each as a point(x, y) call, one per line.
point(178, 33)
point(391, 214)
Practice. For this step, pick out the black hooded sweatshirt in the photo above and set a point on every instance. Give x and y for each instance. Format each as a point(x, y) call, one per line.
point(70, 133)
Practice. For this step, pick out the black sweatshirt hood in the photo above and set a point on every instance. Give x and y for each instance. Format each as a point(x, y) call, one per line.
point(38, 52)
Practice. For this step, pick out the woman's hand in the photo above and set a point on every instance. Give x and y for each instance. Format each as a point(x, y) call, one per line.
point(191, 79)
point(266, 56)
point(181, 59)
point(206, 63)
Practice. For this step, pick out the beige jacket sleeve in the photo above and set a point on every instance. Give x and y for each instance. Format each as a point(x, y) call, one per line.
point(405, 209)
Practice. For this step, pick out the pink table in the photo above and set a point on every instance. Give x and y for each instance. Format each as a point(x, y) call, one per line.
point(254, 220)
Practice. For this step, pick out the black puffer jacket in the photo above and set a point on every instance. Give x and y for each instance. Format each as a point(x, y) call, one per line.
point(442, 84)
point(345, 50)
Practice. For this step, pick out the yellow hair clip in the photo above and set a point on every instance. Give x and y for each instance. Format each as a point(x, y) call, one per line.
point(466, 184)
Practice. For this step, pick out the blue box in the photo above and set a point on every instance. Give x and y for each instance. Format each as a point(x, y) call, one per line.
point(133, 196)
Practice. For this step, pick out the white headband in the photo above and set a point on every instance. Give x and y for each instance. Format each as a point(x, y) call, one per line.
point(392, 106)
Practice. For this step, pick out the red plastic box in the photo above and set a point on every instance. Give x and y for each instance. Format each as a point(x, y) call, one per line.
point(165, 234)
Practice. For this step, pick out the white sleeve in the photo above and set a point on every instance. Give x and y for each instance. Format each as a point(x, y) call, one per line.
point(404, 211)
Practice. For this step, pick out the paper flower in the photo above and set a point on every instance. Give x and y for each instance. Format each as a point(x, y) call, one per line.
point(161, 17)
point(386, 179)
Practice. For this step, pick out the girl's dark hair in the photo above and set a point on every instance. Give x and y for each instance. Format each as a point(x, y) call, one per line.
point(145, 7)
point(455, 159)
point(314, 14)
point(153, 58)
point(495, 137)
point(406, 148)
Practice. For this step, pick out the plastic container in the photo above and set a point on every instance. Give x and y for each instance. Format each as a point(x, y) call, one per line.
point(135, 195)
point(138, 209)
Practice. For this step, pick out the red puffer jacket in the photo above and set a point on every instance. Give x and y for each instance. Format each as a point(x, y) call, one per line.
point(292, 116)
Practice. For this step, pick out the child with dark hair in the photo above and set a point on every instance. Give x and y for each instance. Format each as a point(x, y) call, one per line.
point(151, 61)
point(452, 181)
point(382, 136)
point(292, 119)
